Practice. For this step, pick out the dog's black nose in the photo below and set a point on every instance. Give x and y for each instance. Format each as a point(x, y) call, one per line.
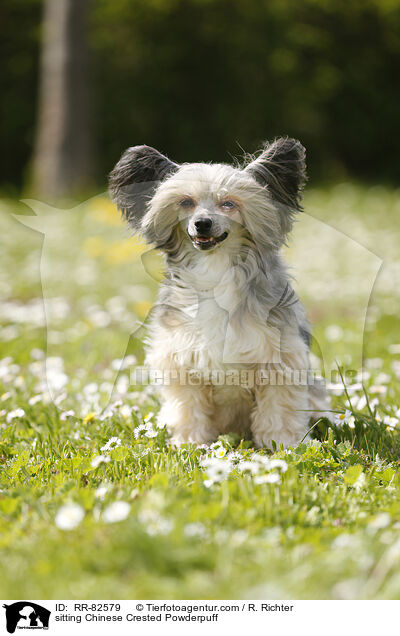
point(203, 225)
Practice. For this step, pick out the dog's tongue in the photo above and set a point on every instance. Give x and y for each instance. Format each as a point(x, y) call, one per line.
point(204, 239)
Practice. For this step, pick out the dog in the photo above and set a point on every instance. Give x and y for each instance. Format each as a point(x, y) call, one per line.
point(226, 308)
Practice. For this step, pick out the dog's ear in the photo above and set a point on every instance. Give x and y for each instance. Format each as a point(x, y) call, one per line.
point(281, 168)
point(134, 179)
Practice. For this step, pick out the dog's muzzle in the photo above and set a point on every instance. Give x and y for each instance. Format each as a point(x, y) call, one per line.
point(207, 242)
point(203, 238)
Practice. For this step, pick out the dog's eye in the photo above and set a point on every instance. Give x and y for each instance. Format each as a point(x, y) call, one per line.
point(228, 205)
point(187, 202)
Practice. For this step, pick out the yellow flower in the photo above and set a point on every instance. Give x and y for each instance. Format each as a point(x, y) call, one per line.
point(115, 252)
point(103, 211)
point(94, 246)
point(124, 251)
point(89, 417)
point(142, 308)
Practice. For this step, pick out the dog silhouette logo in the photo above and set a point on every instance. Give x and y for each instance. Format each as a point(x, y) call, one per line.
point(26, 615)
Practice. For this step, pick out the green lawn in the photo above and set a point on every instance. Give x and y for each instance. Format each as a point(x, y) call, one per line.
point(139, 519)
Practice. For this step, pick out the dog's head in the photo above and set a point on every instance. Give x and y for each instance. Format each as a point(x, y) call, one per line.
point(211, 205)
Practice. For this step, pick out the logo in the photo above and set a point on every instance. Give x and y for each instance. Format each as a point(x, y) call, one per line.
point(26, 615)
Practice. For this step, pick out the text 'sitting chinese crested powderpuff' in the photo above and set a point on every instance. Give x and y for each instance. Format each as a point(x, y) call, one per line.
point(226, 304)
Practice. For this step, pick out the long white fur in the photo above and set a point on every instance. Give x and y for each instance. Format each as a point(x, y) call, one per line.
point(220, 310)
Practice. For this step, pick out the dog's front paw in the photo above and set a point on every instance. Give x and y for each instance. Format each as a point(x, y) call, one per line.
point(273, 432)
point(186, 427)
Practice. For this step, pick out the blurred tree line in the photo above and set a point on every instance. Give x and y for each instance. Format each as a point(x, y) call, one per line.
point(207, 79)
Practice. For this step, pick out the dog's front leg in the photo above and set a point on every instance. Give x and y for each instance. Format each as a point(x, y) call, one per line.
point(280, 415)
point(187, 412)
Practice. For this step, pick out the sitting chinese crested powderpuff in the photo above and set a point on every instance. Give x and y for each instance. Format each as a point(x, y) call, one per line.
point(226, 310)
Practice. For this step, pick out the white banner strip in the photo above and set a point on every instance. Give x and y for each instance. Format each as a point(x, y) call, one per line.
point(157, 617)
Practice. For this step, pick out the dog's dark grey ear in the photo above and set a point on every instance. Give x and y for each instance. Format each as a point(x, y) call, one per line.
point(281, 167)
point(134, 179)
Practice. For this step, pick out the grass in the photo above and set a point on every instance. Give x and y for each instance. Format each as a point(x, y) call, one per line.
point(140, 519)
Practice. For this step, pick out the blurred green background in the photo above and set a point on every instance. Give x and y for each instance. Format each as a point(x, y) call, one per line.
point(205, 79)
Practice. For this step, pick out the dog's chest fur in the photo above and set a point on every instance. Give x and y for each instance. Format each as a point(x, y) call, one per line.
point(206, 323)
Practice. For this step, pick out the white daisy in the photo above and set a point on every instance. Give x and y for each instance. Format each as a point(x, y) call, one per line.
point(101, 491)
point(380, 389)
point(334, 333)
point(216, 469)
point(268, 478)
point(390, 421)
point(117, 511)
point(161, 526)
point(66, 414)
point(195, 530)
point(247, 466)
point(125, 411)
point(69, 516)
point(344, 418)
point(150, 432)
point(278, 463)
point(138, 430)
point(112, 443)
point(99, 459)
point(12, 415)
point(217, 450)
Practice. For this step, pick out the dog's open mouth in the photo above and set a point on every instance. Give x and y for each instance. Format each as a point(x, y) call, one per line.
point(207, 242)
